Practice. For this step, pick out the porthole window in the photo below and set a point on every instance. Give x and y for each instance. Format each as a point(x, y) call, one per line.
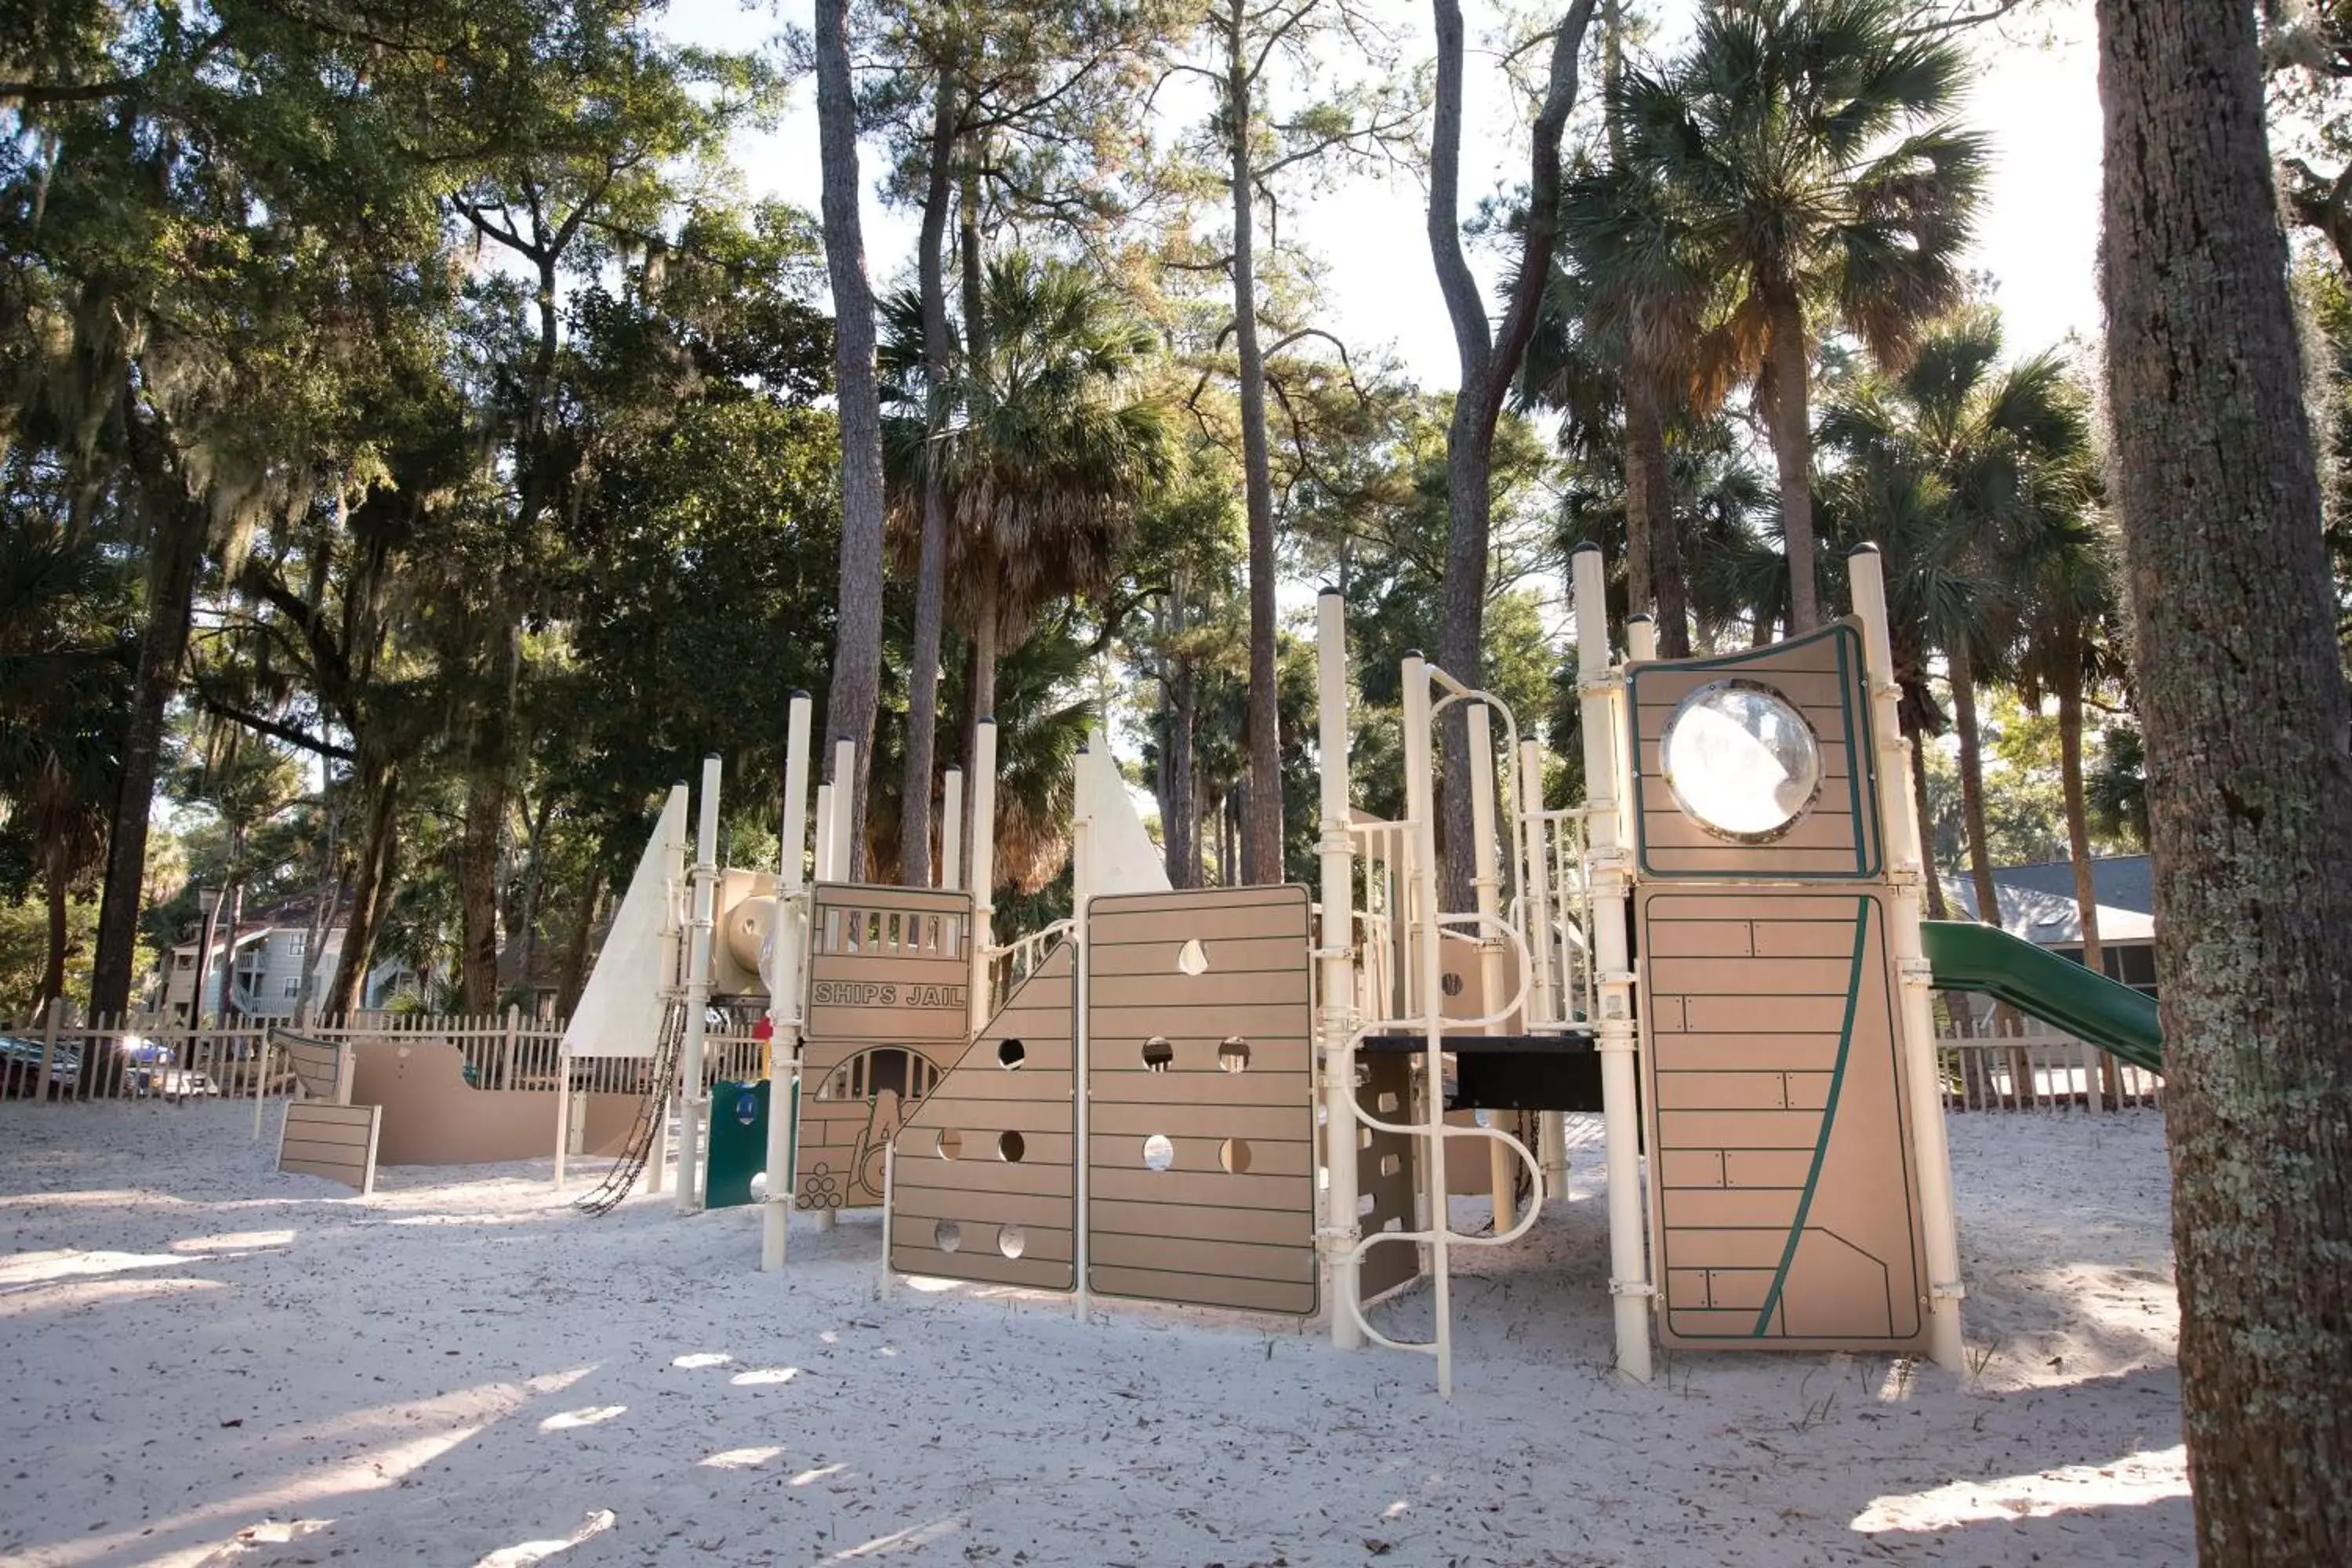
point(1741, 761)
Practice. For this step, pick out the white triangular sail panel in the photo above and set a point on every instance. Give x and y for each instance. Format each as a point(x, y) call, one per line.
point(620, 1011)
point(1120, 855)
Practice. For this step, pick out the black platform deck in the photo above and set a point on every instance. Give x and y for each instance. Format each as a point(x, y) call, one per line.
point(1510, 1072)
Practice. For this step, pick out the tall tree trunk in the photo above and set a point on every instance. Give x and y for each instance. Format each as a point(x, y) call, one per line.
point(1643, 437)
point(53, 967)
point(1972, 800)
point(2242, 690)
point(208, 932)
point(1932, 878)
point(931, 558)
point(1489, 358)
point(1179, 823)
point(370, 890)
point(478, 893)
point(175, 550)
point(856, 687)
point(1262, 843)
point(2078, 826)
point(526, 928)
point(234, 902)
point(1791, 418)
point(575, 953)
point(1669, 579)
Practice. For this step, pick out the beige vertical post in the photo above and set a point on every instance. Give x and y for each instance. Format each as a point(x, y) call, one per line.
point(260, 1058)
point(845, 810)
point(1641, 640)
point(787, 1010)
point(562, 1109)
point(694, 1099)
point(952, 829)
point(673, 949)
point(1081, 833)
point(825, 872)
point(1608, 880)
point(981, 867)
point(1421, 822)
point(1486, 890)
point(514, 1023)
point(49, 1048)
point(1339, 1229)
point(1937, 1213)
point(1544, 1002)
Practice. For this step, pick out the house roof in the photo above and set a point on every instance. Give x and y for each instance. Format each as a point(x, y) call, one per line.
point(2037, 900)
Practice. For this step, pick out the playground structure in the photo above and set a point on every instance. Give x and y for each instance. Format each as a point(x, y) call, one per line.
point(1236, 1098)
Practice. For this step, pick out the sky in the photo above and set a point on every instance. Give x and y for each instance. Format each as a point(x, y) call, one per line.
point(2037, 100)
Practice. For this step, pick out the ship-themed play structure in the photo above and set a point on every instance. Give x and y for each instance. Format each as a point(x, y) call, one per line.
point(1263, 1099)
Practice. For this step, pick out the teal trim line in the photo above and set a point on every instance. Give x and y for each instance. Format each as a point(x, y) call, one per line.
point(1829, 1121)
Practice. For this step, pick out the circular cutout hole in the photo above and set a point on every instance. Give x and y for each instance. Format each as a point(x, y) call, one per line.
point(1234, 1156)
point(1009, 1147)
point(759, 1185)
point(1158, 1053)
point(1012, 1240)
point(1451, 985)
point(1159, 1154)
point(947, 1235)
point(1234, 1055)
point(950, 1145)
point(1011, 1054)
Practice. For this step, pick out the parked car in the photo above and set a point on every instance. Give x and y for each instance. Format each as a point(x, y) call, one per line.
point(20, 1065)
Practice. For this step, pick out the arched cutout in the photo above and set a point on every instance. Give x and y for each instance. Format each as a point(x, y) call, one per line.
point(947, 1235)
point(1011, 1054)
point(1233, 1055)
point(1158, 1056)
point(950, 1145)
point(1234, 1156)
point(1192, 958)
point(1012, 1240)
point(1009, 1147)
point(1159, 1154)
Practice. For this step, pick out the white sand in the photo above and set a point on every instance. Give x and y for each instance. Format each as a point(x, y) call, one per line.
point(214, 1364)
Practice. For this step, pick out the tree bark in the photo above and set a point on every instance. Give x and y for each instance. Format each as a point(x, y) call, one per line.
point(1934, 880)
point(234, 903)
point(931, 562)
point(856, 685)
point(379, 865)
point(477, 890)
point(1643, 437)
point(1262, 841)
point(1178, 822)
point(1791, 418)
point(175, 550)
point(2243, 691)
point(2078, 827)
point(1489, 359)
point(1972, 799)
point(53, 968)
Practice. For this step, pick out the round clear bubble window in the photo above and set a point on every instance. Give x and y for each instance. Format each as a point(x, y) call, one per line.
point(1741, 761)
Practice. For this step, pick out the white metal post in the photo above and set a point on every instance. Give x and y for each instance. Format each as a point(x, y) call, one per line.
point(1487, 889)
point(1937, 1213)
point(952, 829)
point(845, 810)
point(980, 859)
point(1608, 880)
point(1339, 1229)
point(1551, 1126)
point(1421, 808)
point(1081, 832)
point(786, 1012)
point(694, 1098)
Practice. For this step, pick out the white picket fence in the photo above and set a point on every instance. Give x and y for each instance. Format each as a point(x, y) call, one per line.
point(1996, 1059)
point(141, 1059)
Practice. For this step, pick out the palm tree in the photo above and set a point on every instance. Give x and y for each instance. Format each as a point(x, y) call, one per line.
point(1806, 146)
point(1061, 440)
point(1977, 483)
point(65, 679)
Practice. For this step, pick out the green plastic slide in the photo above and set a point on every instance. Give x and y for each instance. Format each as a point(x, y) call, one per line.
point(1966, 956)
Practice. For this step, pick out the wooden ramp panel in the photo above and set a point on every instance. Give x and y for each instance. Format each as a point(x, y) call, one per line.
point(337, 1142)
point(984, 1185)
point(1781, 1187)
point(1820, 675)
point(1199, 1093)
point(888, 972)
